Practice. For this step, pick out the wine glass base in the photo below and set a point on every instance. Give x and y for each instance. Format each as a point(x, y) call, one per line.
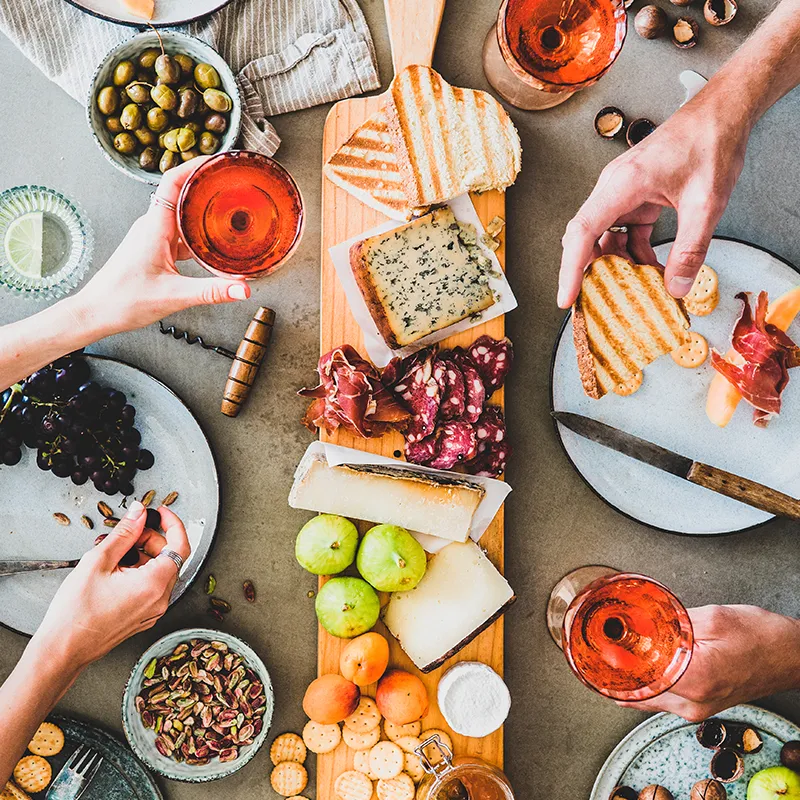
point(564, 593)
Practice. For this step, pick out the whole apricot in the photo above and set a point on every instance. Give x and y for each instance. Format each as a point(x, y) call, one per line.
point(364, 659)
point(330, 698)
point(401, 697)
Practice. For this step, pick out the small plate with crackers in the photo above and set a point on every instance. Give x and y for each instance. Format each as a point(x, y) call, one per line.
point(595, 373)
point(120, 775)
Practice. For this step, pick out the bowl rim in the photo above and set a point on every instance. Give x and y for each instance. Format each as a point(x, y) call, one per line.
point(235, 125)
point(130, 692)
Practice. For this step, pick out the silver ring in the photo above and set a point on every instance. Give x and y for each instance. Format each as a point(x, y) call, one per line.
point(157, 200)
point(172, 556)
point(618, 229)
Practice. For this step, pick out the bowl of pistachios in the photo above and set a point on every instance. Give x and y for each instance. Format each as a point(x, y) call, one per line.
point(159, 99)
point(198, 705)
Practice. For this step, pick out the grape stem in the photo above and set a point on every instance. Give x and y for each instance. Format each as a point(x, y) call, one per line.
point(15, 390)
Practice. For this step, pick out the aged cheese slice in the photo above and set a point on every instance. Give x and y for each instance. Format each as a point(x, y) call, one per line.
point(461, 594)
point(416, 501)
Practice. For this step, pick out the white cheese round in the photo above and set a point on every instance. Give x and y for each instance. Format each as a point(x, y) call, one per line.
point(474, 699)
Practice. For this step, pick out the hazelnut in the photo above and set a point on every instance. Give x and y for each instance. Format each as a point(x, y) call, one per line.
point(685, 32)
point(638, 130)
point(708, 790)
point(790, 755)
point(655, 792)
point(651, 22)
point(719, 12)
point(609, 122)
point(623, 793)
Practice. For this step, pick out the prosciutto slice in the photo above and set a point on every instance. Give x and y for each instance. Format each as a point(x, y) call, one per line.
point(350, 394)
point(765, 355)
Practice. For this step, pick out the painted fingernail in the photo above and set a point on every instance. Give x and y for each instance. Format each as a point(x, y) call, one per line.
point(680, 285)
point(236, 291)
point(135, 510)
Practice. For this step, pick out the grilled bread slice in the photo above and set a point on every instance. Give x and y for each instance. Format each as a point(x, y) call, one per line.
point(422, 277)
point(623, 320)
point(366, 166)
point(448, 140)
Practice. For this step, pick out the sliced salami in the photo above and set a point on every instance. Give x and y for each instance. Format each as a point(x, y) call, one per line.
point(421, 452)
point(456, 444)
point(490, 429)
point(454, 395)
point(493, 359)
point(421, 393)
point(473, 383)
point(492, 461)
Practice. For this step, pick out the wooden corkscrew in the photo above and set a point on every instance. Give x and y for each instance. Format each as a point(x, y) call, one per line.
point(246, 360)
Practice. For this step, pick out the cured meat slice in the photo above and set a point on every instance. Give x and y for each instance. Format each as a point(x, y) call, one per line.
point(421, 452)
point(454, 396)
point(493, 359)
point(490, 429)
point(492, 461)
point(473, 383)
point(456, 443)
point(421, 392)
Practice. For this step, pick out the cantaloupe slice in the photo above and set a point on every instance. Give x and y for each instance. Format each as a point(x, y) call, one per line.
point(723, 397)
point(142, 8)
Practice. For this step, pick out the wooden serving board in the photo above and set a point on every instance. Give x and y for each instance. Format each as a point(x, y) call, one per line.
point(413, 27)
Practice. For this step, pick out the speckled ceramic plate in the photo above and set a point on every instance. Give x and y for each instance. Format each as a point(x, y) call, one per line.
point(167, 12)
point(183, 463)
point(664, 750)
point(669, 410)
point(120, 777)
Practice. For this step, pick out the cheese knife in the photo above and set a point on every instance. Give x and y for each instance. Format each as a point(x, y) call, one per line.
point(718, 480)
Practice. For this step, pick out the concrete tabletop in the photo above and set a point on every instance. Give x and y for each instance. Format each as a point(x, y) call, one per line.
point(559, 733)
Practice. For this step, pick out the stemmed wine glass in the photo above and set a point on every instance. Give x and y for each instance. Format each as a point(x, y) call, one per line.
point(625, 635)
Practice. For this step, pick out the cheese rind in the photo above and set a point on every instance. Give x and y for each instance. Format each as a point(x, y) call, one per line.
point(461, 594)
point(418, 502)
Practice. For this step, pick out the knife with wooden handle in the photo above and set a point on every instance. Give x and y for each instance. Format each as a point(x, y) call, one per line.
point(16, 567)
point(718, 480)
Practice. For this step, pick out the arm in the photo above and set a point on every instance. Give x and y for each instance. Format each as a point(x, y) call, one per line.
point(98, 606)
point(138, 285)
point(741, 653)
point(690, 163)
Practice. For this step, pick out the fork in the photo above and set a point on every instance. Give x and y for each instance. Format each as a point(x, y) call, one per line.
point(76, 775)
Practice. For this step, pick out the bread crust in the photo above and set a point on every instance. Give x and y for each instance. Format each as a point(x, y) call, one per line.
point(585, 358)
point(360, 269)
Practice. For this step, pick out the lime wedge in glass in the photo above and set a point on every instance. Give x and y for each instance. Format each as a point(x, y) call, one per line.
point(23, 244)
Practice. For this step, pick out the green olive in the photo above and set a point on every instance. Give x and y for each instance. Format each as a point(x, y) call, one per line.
point(107, 100)
point(185, 140)
point(147, 58)
point(216, 123)
point(161, 138)
point(208, 143)
point(113, 125)
point(217, 100)
point(131, 117)
point(164, 96)
point(168, 160)
point(206, 77)
point(146, 137)
point(186, 64)
point(194, 127)
point(171, 139)
point(202, 108)
point(138, 91)
point(124, 73)
point(187, 105)
point(124, 143)
point(190, 154)
point(148, 159)
point(157, 119)
point(145, 76)
point(168, 69)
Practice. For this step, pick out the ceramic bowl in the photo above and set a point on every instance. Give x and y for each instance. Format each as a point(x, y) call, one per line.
point(174, 42)
point(142, 740)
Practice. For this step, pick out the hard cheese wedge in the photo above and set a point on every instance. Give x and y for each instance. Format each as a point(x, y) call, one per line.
point(461, 594)
point(419, 502)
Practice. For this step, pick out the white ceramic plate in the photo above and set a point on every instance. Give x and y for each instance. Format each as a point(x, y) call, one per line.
point(665, 751)
point(669, 410)
point(183, 463)
point(168, 12)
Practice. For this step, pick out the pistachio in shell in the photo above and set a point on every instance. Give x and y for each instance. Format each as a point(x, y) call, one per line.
point(217, 100)
point(107, 100)
point(124, 73)
point(206, 77)
point(125, 143)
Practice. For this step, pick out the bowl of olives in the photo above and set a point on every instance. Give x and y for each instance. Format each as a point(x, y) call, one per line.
point(162, 98)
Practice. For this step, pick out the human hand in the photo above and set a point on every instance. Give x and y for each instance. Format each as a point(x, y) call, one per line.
point(140, 283)
point(691, 163)
point(100, 604)
point(740, 653)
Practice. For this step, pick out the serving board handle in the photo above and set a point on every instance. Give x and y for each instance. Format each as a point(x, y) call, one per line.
point(413, 28)
point(745, 490)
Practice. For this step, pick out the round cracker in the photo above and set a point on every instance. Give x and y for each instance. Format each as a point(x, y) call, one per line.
point(693, 353)
point(386, 760)
point(629, 387)
point(361, 763)
point(47, 741)
point(365, 717)
point(408, 743)
point(433, 752)
point(353, 785)
point(289, 778)
point(412, 765)
point(703, 297)
point(320, 738)
point(288, 747)
point(399, 788)
point(33, 773)
point(394, 732)
point(13, 792)
point(297, 797)
point(361, 741)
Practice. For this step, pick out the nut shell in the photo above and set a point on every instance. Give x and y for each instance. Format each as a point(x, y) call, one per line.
point(650, 21)
point(708, 789)
point(790, 755)
point(727, 765)
point(655, 792)
point(719, 12)
point(685, 32)
point(609, 122)
point(623, 793)
point(638, 130)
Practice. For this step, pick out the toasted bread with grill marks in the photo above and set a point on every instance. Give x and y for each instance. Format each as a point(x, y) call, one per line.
point(447, 140)
point(623, 320)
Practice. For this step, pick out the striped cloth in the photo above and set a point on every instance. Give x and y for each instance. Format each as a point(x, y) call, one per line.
point(287, 54)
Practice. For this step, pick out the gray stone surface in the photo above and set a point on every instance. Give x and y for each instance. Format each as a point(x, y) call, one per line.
point(558, 733)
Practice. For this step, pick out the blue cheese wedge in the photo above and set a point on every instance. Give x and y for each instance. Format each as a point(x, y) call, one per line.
point(461, 594)
point(422, 277)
